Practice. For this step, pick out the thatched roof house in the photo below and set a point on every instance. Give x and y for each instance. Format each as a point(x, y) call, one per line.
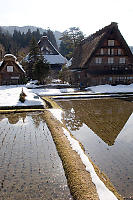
point(51, 56)
point(11, 72)
point(103, 57)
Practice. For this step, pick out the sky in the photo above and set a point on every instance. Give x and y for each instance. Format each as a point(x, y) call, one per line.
point(88, 15)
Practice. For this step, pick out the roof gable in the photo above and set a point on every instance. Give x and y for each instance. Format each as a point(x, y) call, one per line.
point(50, 53)
point(10, 59)
point(47, 47)
point(87, 48)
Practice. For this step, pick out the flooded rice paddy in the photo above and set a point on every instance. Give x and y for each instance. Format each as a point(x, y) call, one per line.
point(105, 128)
point(30, 167)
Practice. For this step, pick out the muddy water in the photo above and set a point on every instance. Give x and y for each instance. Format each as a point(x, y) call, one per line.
point(105, 128)
point(30, 167)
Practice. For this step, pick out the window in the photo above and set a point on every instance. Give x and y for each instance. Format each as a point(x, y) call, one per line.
point(98, 60)
point(111, 42)
point(9, 68)
point(109, 51)
point(112, 51)
point(110, 60)
point(119, 51)
point(122, 60)
point(102, 52)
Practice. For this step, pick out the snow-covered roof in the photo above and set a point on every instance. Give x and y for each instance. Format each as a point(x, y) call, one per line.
point(52, 55)
point(9, 57)
point(55, 59)
point(69, 63)
point(131, 48)
point(20, 66)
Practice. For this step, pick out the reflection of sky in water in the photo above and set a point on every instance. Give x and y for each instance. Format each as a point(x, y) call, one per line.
point(126, 134)
point(116, 160)
point(30, 167)
point(104, 127)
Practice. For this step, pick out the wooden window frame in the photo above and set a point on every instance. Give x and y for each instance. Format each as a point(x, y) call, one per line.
point(111, 43)
point(98, 60)
point(122, 60)
point(110, 60)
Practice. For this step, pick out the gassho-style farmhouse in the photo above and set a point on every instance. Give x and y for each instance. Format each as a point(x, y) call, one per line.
point(102, 58)
point(11, 72)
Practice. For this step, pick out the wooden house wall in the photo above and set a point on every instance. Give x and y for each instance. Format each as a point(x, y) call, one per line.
point(115, 72)
point(7, 78)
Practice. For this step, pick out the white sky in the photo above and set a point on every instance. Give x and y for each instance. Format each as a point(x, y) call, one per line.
point(88, 15)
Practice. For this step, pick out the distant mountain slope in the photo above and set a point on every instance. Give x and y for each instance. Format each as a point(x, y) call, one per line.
point(24, 29)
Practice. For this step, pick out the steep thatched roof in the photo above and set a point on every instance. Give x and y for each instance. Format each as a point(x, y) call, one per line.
point(11, 58)
point(50, 53)
point(87, 47)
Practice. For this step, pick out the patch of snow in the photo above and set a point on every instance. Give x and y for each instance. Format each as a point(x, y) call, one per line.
point(1, 63)
point(56, 81)
point(32, 84)
point(52, 92)
point(20, 66)
point(9, 96)
point(55, 59)
point(69, 63)
point(111, 89)
point(102, 190)
point(10, 55)
point(57, 113)
point(72, 110)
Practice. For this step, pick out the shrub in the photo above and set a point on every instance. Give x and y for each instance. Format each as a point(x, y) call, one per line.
point(22, 96)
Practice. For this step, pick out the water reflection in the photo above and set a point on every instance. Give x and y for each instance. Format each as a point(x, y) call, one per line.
point(105, 128)
point(30, 167)
point(23, 118)
point(106, 117)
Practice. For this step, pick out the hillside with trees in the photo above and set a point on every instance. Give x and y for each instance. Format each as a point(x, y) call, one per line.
point(18, 43)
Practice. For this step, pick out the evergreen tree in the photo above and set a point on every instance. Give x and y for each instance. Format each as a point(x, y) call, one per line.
point(70, 39)
point(37, 68)
point(51, 38)
point(34, 52)
point(41, 69)
point(2, 51)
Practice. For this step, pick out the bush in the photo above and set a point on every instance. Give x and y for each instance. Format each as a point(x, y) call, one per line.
point(22, 96)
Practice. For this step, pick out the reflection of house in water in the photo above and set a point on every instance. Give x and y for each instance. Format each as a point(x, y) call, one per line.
point(15, 118)
point(106, 117)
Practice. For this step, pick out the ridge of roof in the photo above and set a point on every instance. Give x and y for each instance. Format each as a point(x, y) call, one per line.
point(101, 31)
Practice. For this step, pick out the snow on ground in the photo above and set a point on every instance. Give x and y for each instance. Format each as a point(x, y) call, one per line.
point(57, 113)
point(102, 190)
point(111, 89)
point(49, 92)
point(9, 96)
